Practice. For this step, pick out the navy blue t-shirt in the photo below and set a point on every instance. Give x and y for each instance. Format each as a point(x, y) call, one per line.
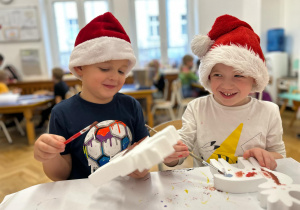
point(120, 124)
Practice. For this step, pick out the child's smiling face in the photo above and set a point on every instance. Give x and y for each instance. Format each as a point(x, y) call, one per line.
point(101, 81)
point(229, 87)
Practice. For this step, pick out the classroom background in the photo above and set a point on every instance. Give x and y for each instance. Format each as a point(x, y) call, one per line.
point(38, 35)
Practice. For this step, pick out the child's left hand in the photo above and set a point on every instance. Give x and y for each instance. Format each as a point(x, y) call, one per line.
point(264, 158)
point(137, 175)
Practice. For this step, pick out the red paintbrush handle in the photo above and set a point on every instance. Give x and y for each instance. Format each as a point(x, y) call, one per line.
point(72, 138)
point(80, 132)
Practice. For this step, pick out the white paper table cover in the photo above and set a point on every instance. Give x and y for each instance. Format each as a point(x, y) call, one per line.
point(179, 189)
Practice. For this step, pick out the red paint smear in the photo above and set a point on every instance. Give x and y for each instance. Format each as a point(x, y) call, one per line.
point(269, 174)
point(239, 174)
point(210, 188)
point(103, 131)
point(180, 156)
point(251, 174)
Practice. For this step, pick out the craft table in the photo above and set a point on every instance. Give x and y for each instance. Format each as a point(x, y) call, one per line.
point(145, 93)
point(26, 104)
point(178, 189)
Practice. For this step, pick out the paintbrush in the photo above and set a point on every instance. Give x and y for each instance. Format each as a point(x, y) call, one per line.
point(195, 156)
point(206, 163)
point(80, 132)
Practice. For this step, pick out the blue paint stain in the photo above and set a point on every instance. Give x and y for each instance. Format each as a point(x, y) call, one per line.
point(103, 160)
point(125, 143)
point(228, 175)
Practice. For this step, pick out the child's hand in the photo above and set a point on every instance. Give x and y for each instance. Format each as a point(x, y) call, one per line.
point(137, 175)
point(181, 151)
point(264, 158)
point(48, 146)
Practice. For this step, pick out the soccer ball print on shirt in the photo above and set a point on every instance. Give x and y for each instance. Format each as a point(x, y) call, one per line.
point(105, 140)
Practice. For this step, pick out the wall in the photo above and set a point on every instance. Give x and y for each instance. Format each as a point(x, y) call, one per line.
point(11, 50)
point(208, 11)
point(260, 14)
point(272, 16)
point(292, 26)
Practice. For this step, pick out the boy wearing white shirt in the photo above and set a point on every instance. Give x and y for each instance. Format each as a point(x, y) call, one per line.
point(229, 123)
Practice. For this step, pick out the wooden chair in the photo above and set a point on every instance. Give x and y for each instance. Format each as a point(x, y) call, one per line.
point(176, 123)
point(6, 133)
point(166, 105)
point(165, 94)
point(182, 102)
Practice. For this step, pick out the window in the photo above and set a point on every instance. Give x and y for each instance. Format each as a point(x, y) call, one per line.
point(183, 25)
point(147, 30)
point(154, 27)
point(161, 35)
point(177, 31)
point(94, 8)
point(68, 21)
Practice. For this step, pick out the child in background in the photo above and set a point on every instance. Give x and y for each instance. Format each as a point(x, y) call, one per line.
point(187, 76)
point(101, 59)
point(3, 82)
point(11, 71)
point(229, 123)
point(158, 79)
point(4, 79)
point(60, 90)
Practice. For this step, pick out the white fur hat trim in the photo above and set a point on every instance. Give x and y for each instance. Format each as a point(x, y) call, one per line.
point(100, 50)
point(244, 60)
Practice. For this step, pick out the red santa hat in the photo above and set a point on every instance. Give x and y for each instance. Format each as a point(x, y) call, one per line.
point(101, 40)
point(231, 42)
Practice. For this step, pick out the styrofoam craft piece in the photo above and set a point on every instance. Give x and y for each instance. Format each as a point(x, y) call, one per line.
point(279, 197)
point(275, 189)
point(142, 156)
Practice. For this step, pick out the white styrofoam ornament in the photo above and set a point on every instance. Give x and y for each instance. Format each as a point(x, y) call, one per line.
point(275, 189)
point(279, 197)
point(149, 152)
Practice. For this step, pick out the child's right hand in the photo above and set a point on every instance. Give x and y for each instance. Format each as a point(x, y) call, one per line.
point(181, 151)
point(48, 146)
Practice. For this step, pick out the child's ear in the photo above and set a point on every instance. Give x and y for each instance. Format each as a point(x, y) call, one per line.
point(78, 70)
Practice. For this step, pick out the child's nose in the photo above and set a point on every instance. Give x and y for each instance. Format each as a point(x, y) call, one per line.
point(228, 82)
point(113, 74)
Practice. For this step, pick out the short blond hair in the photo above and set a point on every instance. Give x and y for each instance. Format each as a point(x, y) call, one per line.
point(58, 73)
point(3, 76)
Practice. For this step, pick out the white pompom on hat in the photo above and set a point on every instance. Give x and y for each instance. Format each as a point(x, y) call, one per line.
point(101, 40)
point(231, 42)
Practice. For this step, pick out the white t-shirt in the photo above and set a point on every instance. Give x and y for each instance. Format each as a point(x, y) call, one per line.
point(212, 130)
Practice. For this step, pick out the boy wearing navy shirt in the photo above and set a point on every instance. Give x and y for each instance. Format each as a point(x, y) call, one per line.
point(101, 59)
